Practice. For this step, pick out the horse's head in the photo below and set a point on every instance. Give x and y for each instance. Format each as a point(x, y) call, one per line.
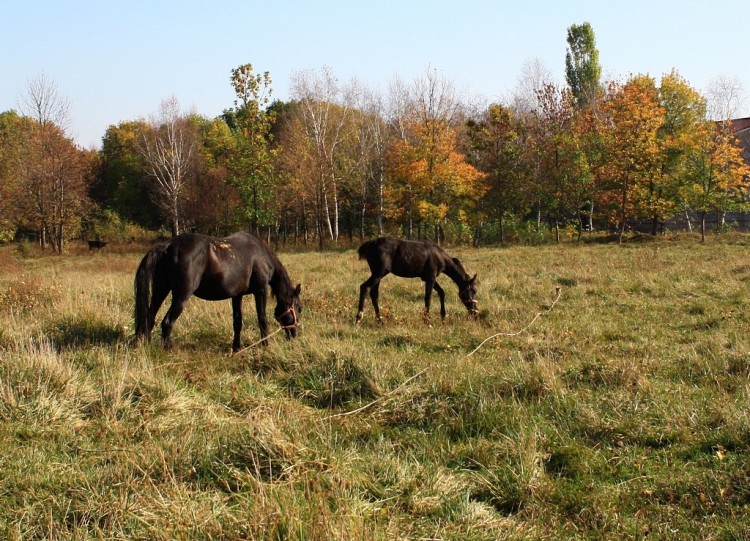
point(288, 313)
point(467, 292)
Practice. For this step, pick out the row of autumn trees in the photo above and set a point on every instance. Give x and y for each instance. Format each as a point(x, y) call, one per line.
point(342, 160)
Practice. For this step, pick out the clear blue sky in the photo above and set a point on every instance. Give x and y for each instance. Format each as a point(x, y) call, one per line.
point(116, 61)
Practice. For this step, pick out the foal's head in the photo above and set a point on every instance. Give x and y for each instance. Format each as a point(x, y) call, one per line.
point(288, 312)
point(467, 293)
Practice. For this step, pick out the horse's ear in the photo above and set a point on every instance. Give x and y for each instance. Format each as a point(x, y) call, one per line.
point(474, 279)
point(297, 290)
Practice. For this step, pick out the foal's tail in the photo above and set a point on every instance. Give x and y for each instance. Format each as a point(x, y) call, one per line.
point(144, 278)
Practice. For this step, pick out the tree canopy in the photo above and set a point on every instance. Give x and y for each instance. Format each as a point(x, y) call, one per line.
point(340, 159)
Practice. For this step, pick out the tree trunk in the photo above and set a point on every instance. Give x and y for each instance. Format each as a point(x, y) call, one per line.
point(327, 216)
point(335, 230)
point(623, 211)
point(381, 204)
point(362, 220)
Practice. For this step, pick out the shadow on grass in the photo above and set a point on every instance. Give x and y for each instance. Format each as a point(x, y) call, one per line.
point(332, 382)
point(76, 332)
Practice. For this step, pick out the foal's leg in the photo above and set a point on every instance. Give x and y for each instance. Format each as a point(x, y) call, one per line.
point(374, 296)
point(428, 285)
point(368, 286)
point(441, 296)
point(236, 322)
point(260, 307)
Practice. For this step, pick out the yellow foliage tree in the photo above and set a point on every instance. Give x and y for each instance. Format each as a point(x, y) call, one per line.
point(717, 176)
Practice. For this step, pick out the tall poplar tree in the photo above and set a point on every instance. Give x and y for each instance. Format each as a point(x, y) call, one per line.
point(582, 68)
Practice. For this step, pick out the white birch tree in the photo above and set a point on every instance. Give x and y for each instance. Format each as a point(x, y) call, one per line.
point(326, 107)
point(168, 150)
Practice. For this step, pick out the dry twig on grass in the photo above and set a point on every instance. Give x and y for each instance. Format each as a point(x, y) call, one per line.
point(558, 290)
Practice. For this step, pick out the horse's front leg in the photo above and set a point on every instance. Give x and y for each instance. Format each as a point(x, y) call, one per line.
point(236, 322)
point(428, 285)
point(441, 296)
point(260, 307)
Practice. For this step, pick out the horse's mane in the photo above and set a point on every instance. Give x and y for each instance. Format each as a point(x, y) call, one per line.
point(281, 283)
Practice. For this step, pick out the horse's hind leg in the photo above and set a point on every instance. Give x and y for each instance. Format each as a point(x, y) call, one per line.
point(175, 309)
point(157, 299)
point(371, 286)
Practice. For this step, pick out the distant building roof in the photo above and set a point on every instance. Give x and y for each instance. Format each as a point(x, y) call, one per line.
point(740, 124)
point(741, 128)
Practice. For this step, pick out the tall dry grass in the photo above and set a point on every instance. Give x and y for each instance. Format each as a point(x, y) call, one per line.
point(620, 413)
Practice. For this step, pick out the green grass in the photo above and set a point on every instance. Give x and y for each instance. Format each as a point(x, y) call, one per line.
point(622, 413)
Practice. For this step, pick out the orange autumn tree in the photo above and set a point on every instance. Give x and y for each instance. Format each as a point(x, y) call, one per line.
point(430, 180)
point(632, 148)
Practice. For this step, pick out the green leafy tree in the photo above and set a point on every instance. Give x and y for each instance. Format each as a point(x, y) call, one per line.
point(497, 142)
point(582, 68)
point(11, 144)
point(251, 168)
point(213, 201)
point(121, 185)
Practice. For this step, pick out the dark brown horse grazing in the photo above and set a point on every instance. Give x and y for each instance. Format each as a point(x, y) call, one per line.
point(413, 259)
point(96, 244)
point(213, 269)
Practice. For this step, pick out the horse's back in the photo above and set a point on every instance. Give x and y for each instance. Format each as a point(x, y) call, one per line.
point(191, 245)
point(405, 258)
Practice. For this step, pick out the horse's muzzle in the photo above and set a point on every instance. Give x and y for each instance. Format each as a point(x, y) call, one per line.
point(290, 322)
point(291, 332)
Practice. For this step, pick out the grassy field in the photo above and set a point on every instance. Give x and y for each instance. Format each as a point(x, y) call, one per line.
point(621, 413)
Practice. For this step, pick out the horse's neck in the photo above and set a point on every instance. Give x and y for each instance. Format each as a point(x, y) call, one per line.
point(453, 271)
point(280, 283)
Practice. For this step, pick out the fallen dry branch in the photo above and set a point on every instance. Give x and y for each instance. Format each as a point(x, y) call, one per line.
point(558, 290)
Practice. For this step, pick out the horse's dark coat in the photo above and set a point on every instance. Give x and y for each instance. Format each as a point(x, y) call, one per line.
point(413, 259)
point(213, 269)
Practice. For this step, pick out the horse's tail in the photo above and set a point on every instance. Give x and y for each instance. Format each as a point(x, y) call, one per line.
point(365, 247)
point(144, 278)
